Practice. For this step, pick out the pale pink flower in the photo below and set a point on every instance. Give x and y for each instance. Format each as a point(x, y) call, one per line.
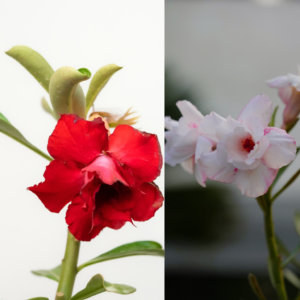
point(185, 145)
point(289, 91)
point(248, 152)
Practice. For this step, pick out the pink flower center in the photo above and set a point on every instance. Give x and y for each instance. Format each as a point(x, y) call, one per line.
point(248, 144)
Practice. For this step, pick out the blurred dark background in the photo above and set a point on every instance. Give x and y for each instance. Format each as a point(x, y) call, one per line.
point(218, 56)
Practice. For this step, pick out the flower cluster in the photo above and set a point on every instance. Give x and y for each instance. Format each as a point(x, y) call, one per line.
point(245, 151)
point(107, 179)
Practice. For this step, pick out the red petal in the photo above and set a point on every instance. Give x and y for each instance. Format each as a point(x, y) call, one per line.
point(80, 213)
point(106, 169)
point(105, 199)
point(78, 139)
point(63, 180)
point(148, 199)
point(140, 151)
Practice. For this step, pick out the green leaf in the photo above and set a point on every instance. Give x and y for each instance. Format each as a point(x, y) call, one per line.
point(65, 92)
point(39, 298)
point(15, 134)
point(98, 285)
point(136, 248)
point(291, 277)
point(85, 72)
point(272, 120)
point(291, 256)
point(3, 118)
point(255, 287)
point(283, 250)
point(297, 222)
point(47, 108)
point(53, 274)
point(98, 82)
point(282, 170)
point(34, 63)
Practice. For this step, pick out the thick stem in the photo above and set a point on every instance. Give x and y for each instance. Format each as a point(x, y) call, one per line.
point(69, 267)
point(274, 258)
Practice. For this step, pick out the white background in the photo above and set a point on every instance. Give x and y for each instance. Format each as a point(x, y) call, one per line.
point(81, 34)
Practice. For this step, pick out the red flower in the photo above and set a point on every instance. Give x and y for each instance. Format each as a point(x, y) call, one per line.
point(108, 180)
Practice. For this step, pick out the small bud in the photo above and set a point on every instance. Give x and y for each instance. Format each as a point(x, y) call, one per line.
point(292, 108)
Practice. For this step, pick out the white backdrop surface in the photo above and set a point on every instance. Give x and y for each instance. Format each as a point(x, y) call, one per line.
point(81, 34)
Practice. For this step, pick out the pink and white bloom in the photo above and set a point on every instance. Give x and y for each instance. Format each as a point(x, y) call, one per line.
point(248, 152)
point(185, 145)
point(289, 91)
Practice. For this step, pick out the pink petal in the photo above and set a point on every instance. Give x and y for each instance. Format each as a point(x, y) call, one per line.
point(278, 82)
point(181, 148)
point(226, 127)
point(200, 174)
point(255, 127)
point(204, 145)
point(170, 124)
point(281, 150)
point(106, 169)
point(209, 126)
point(254, 183)
point(215, 170)
point(285, 94)
point(190, 112)
point(188, 165)
point(259, 106)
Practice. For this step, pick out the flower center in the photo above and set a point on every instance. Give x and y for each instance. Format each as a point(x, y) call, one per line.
point(248, 144)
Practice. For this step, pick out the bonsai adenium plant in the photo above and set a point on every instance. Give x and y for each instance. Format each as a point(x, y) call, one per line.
point(105, 179)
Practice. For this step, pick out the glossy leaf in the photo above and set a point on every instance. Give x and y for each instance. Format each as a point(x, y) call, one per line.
point(98, 82)
point(39, 298)
point(47, 108)
point(65, 92)
point(34, 63)
point(53, 274)
point(272, 120)
point(11, 131)
point(131, 249)
point(98, 285)
point(283, 169)
point(255, 287)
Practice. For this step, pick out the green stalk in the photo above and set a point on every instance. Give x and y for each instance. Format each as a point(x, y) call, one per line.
point(68, 269)
point(274, 258)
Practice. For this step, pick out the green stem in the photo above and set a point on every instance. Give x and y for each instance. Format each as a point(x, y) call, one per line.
point(274, 258)
point(69, 268)
point(291, 180)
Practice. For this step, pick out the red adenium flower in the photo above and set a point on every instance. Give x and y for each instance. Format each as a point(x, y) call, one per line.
point(108, 180)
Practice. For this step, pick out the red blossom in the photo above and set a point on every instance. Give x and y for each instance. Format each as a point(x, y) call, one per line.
point(107, 179)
